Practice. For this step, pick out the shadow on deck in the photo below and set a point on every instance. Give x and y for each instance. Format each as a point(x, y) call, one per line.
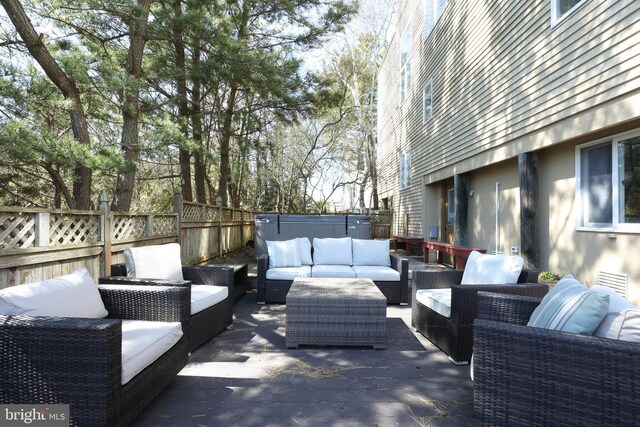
point(246, 377)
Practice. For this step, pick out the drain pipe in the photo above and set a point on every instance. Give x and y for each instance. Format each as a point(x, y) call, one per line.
point(497, 216)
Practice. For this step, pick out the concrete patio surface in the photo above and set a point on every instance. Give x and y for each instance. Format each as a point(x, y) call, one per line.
point(246, 377)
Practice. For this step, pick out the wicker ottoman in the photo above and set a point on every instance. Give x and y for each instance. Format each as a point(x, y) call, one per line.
point(335, 312)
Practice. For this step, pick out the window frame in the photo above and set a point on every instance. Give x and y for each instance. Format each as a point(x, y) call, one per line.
point(427, 88)
point(555, 17)
point(405, 67)
point(431, 14)
point(616, 225)
point(405, 169)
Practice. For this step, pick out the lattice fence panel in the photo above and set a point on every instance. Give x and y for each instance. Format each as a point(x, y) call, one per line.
point(381, 217)
point(237, 215)
point(69, 229)
point(17, 230)
point(190, 212)
point(128, 227)
point(164, 225)
point(227, 214)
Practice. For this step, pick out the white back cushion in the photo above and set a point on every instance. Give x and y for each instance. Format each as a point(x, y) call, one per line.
point(154, 262)
point(332, 251)
point(371, 252)
point(143, 342)
point(283, 253)
point(304, 247)
point(73, 295)
point(611, 325)
point(491, 269)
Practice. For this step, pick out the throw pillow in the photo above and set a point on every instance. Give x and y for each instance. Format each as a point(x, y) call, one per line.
point(570, 307)
point(73, 295)
point(283, 253)
point(154, 262)
point(371, 252)
point(304, 246)
point(484, 269)
point(332, 251)
point(612, 323)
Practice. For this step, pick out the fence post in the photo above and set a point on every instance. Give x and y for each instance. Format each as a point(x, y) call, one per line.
point(241, 227)
point(149, 226)
point(42, 229)
point(104, 231)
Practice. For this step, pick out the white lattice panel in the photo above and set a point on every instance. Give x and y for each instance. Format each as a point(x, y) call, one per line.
point(69, 229)
point(17, 230)
point(128, 227)
point(164, 225)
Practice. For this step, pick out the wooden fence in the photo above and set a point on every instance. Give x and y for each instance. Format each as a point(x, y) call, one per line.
point(37, 244)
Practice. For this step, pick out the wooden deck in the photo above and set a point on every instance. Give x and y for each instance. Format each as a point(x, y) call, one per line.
point(246, 377)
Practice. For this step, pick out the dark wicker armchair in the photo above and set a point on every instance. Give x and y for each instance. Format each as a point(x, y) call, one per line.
point(54, 360)
point(532, 376)
point(207, 323)
point(454, 334)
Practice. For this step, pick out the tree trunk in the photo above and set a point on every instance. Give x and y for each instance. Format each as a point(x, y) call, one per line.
point(130, 143)
point(183, 105)
point(373, 171)
point(200, 171)
point(225, 139)
point(82, 175)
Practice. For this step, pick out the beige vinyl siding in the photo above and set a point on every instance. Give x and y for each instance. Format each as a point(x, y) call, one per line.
point(500, 72)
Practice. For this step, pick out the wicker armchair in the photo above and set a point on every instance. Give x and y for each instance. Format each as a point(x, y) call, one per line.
point(207, 323)
point(533, 376)
point(454, 334)
point(77, 361)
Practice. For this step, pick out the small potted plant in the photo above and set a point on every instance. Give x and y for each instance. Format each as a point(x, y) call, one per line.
point(549, 278)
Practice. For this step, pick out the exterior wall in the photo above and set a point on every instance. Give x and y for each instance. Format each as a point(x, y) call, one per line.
point(506, 82)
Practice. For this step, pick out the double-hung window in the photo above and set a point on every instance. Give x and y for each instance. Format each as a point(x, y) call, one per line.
point(405, 64)
point(560, 8)
point(608, 184)
point(405, 169)
point(427, 102)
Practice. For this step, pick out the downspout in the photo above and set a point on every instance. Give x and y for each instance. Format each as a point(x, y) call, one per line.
point(497, 216)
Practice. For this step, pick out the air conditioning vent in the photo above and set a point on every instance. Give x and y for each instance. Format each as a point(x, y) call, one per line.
point(619, 282)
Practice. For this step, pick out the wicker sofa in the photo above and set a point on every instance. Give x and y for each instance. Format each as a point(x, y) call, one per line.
point(531, 376)
point(337, 258)
point(79, 361)
point(206, 323)
point(453, 334)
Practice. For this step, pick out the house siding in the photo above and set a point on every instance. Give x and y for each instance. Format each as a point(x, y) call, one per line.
point(506, 82)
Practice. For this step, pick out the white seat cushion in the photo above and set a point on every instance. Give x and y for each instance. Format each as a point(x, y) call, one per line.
point(438, 300)
point(482, 269)
point(154, 262)
point(283, 253)
point(371, 252)
point(333, 271)
point(143, 342)
point(288, 273)
point(376, 272)
point(205, 296)
point(332, 251)
point(73, 295)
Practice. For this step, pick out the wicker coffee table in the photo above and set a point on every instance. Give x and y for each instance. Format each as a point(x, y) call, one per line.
point(335, 312)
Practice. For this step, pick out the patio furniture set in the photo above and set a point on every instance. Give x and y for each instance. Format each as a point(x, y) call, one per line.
point(565, 357)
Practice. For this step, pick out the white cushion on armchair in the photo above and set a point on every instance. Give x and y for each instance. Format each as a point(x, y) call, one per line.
point(73, 295)
point(205, 296)
point(482, 269)
point(154, 262)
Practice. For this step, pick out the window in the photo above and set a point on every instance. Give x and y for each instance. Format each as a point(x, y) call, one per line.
point(427, 102)
point(608, 184)
point(432, 11)
point(451, 206)
point(560, 8)
point(405, 64)
point(405, 169)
